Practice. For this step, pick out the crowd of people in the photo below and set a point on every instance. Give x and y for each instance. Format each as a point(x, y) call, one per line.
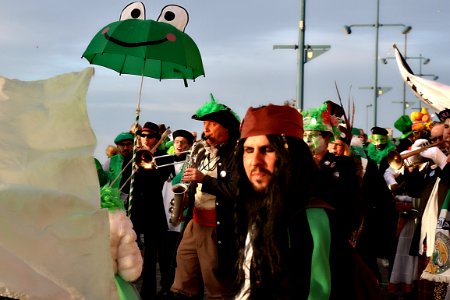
point(286, 205)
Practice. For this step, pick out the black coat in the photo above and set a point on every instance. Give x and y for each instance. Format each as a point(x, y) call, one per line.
point(147, 207)
point(343, 189)
point(224, 188)
point(293, 279)
point(378, 236)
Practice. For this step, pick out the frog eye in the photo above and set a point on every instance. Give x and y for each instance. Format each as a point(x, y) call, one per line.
point(174, 15)
point(135, 10)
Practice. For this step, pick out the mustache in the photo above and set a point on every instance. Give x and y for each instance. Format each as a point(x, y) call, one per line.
point(261, 170)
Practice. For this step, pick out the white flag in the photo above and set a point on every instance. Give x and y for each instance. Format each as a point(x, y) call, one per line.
point(54, 238)
point(434, 94)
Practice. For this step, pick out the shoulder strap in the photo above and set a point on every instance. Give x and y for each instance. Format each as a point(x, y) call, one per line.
point(320, 284)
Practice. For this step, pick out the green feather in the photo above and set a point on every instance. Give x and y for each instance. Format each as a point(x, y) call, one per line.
point(110, 198)
point(212, 107)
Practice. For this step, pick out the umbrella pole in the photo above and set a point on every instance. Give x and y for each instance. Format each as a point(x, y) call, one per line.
point(133, 165)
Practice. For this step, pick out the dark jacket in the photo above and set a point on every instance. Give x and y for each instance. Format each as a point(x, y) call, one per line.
point(147, 207)
point(293, 280)
point(224, 188)
point(344, 189)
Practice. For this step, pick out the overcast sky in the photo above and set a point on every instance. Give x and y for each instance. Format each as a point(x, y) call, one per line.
point(45, 38)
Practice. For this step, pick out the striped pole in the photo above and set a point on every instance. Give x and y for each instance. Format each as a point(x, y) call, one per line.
point(133, 165)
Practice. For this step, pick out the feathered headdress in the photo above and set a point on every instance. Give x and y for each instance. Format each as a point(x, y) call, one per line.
point(319, 119)
point(345, 127)
point(330, 117)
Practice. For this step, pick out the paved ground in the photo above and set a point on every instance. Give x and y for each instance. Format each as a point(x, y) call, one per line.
point(383, 270)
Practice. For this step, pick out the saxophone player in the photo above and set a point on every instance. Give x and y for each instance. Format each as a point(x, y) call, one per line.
point(182, 142)
point(204, 256)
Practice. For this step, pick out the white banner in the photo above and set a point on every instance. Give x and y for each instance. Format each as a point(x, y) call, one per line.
point(433, 94)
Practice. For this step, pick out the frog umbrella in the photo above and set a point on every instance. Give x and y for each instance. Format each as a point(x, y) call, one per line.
point(158, 49)
point(147, 48)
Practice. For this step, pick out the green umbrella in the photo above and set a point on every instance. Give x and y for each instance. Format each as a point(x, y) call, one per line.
point(147, 48)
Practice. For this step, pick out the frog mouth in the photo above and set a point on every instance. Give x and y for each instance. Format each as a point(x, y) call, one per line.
point(170, 37)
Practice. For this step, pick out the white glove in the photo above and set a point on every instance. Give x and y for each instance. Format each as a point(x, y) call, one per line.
point(403, 198)
point(390, 176)
point(419, 143)
point(436, 155)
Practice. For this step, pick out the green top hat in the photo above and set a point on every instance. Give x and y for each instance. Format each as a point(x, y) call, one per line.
point(404, 124)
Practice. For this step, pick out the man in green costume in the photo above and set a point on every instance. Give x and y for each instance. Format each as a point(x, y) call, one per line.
point(118, 166)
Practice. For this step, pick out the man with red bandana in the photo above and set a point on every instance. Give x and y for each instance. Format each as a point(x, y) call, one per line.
point(276, 217)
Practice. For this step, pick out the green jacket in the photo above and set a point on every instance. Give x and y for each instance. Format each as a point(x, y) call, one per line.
point(115, 167)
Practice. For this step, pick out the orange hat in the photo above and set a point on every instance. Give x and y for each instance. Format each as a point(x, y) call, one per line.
point(272, 119)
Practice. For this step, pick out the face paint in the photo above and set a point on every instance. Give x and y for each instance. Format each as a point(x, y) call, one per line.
point(315, 141)
point(379, 141)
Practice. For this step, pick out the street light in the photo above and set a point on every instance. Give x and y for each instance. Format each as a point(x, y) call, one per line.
point(377, 25)
point(304, 54)
point(407, 104)
point(423, 60)
point(381, 90)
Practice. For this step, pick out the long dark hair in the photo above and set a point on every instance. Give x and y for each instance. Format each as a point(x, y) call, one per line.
point(266, 213)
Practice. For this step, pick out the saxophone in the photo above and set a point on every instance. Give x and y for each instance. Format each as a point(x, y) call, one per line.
point(180, 189)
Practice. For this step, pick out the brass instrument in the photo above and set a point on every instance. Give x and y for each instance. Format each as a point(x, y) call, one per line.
point(146, 160)
point(180, 189)
point(144, 157)
point(396, 159)
point(175, 210)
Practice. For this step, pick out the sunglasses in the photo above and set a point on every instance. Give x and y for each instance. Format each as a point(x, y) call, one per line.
point(150, 136)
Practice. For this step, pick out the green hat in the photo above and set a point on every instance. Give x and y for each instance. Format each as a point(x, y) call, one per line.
point(404, 124)
point(320, 119)
point(356, 131)
point(123, 136)
point(220, 113)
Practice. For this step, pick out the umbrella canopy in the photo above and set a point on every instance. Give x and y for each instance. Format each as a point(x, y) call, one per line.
point(148, 48)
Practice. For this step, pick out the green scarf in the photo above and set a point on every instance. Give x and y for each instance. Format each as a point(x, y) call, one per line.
point(377, 155)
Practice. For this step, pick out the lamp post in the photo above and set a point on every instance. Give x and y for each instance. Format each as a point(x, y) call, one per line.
point(309, 53)
point(376, 25)
point(301, 56)
point(367, 116)
point(405, 32)
point(304, 54)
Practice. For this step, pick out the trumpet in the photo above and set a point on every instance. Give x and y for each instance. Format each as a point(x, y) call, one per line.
point(180, 189)
point(396, 159)
point(146, 160)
